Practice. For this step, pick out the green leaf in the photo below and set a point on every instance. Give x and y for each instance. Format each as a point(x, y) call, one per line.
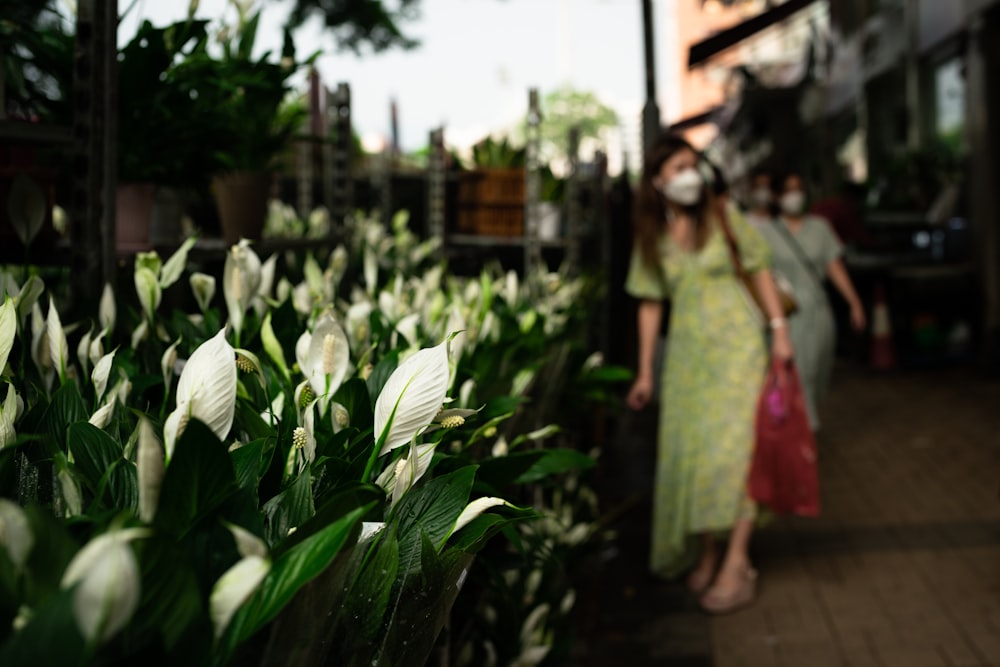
point(290, 572)
point(247, 463)
point(171, 600)
point(66, 408)
point(554, 462)
point(51, 638)
point(289, 509)
point(248, 419)
point(99, 460)
point(198, 479)
point(500, 472)
point(369, 596)
point(380, 374)
point(432, 507)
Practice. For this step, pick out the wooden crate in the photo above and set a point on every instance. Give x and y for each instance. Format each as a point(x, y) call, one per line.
point(491, 219)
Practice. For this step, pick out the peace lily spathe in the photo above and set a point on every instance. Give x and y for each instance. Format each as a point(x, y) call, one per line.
point(106, 579)
point(101, 372)
point(234, 587)
point(58, 346)
point(8, 415)
point(150, 469)
point(8, 330)
point(147, 287)
point(327, 358)
point(107, 312)
point(16, 537)
point(411, 397)
point(203, 288)
point(206, 391)
point(240, 281)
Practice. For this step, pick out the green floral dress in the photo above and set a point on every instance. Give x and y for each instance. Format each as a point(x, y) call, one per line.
point(713, 371)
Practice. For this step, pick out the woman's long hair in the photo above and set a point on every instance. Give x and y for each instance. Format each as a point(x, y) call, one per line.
point(650, 212)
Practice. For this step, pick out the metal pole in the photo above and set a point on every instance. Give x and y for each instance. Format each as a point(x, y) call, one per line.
point(532, 185)
point(343, 195)
point(436, 183)
point(573, 201)
point(650, 111)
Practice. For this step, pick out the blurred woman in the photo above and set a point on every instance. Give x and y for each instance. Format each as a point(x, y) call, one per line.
point(760, 205)
point(712, 374)
point(806, 252)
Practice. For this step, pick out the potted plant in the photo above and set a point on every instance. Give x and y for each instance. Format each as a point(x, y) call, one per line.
point(244, 107)
point(157, 142)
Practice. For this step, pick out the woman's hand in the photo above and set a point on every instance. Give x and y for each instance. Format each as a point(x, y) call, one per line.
point(781, 345)
point(858, 319)
point(641, 391)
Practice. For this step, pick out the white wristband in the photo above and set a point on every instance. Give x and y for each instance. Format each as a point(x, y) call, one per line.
point(778, 323)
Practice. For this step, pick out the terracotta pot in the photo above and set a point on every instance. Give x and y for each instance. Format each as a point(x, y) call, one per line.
point(133, 214)
point(242, 201)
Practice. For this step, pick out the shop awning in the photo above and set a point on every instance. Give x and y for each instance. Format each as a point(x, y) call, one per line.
point(707, 48)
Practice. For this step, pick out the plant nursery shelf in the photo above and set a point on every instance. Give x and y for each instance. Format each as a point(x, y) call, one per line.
point(493, 241)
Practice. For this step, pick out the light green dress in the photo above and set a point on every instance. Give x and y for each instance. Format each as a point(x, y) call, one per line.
point(713, 371)
point(811, 327)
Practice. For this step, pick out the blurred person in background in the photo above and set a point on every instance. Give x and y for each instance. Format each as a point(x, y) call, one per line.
point(760, 203)
point(714, 367)
point(806, 253)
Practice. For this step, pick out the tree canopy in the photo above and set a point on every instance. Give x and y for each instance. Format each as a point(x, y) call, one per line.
point(356, 23)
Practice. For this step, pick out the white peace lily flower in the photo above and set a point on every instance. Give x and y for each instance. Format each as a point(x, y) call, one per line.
point(174, 267)
point(370, 269)
point(490, 328)
point(9, 286)
point(83, 350)
point(234, 588)
point(101, 372)
point(8, 330)
point(313, 275)
point(407, 328)
point(240, 281)
point(16, 537)
point(456, 325)
point(358, 324)
point(140, 333)
point(9, 413)
point(148, 288)
point(206, 391)
point(475, 508)
point(302, 298)
point(32, 289)
point(203, 288)
point(95, 349)
point(338, 262)
point(107, 311)
point(168, 361)
point(327, 358)
point(595, 360)
point(500, 448)
point(302, 346)
point(283, 290)
point(370, 528)
point(340, 418)
point(465, 392)
point(40, 353)
point(407, 471)
point(273, 415)
point(247, 544)
point(150, 466)
point(303, 450)
point(423, 250)
point(511, 289)
point(388, 305)
point(106, 579)
point(69, 491)
point(411, 397)
point(122, 389)
point(266, 284)
point(58, 346)
point(102, 417)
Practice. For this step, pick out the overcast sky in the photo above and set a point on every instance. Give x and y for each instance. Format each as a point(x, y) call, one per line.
point(475, 64)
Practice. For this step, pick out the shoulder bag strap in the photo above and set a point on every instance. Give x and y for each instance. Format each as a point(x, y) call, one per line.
point(799, 252)
point(734, 249)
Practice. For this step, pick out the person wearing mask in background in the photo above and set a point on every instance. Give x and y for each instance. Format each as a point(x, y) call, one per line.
point(712, 375)
point(806, 252)
point(760, 206)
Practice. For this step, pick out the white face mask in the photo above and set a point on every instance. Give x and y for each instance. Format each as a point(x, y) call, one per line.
point(685, 188)
point(794, 202)
point(760, 197)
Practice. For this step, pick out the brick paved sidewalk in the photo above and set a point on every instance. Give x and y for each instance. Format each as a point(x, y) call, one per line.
point(901, 570)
